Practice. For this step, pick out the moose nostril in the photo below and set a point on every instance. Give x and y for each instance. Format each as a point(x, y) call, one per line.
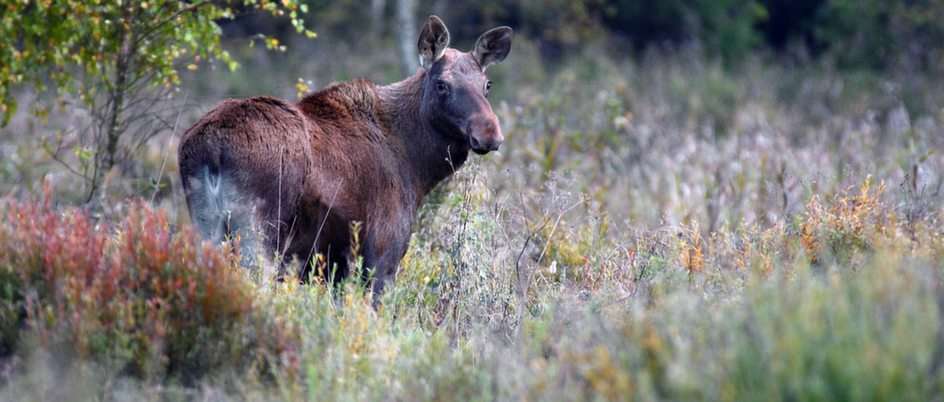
point(475, 143)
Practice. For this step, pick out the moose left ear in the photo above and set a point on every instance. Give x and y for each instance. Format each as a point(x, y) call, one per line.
point(493, 46)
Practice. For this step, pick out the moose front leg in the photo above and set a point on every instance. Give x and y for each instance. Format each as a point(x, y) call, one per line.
point(382, 277)
point(382, 254)
point(382, 269)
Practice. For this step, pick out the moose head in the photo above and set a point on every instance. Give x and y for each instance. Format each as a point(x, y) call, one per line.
point(455, 87)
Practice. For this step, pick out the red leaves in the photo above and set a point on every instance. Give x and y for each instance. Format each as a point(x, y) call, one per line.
point(137, 288)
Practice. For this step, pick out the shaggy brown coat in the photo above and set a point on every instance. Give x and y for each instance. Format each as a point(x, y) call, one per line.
point(290, 179)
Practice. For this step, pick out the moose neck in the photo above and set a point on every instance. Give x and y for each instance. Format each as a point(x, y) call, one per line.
point(431, 156)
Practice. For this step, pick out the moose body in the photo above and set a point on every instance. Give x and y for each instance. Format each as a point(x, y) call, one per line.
point(290, 179)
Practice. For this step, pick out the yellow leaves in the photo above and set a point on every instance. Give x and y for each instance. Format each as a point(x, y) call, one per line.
point(566, 251)
point(274, 44)
point(420, 270)
point(808, 236)
point(602, 373)
point(691, 255)
point(225, 57)
point(758, 250)
point(848, 224)
point(560, 247)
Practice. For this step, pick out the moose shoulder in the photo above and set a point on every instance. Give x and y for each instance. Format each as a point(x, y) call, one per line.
point(291, 178)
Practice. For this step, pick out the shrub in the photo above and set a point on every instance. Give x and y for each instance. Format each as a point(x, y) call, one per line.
point(846, 227)
point(135, 296)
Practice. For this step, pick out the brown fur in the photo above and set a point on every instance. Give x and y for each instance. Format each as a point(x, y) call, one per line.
point(304, 172)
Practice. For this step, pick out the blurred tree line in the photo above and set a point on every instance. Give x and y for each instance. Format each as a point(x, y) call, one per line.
point(120, 60)
point(873, 34)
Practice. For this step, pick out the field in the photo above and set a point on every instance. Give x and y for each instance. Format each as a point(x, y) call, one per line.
point(657, 228)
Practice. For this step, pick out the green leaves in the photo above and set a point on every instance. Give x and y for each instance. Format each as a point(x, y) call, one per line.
point(118, 58)
point(73, 45)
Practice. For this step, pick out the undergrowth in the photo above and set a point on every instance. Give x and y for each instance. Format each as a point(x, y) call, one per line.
point(133, 297)
point(844, 303)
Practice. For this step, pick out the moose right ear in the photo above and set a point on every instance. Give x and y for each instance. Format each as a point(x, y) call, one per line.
point(434, 39)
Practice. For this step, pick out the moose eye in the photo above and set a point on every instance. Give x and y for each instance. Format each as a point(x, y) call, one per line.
point(488, 87)
point(442, 87)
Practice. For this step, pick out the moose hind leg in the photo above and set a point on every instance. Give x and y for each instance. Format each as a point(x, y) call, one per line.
point(206, 203)
point(242, 228)
point(221, 212)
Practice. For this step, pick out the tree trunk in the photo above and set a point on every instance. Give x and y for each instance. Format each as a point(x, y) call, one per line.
point(377, 16)
point(406, 35)
point(106, 149)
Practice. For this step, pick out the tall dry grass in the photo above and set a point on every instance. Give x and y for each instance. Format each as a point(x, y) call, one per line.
point(661, 229)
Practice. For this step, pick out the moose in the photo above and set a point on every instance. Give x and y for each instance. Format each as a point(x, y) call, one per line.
point(292, 179)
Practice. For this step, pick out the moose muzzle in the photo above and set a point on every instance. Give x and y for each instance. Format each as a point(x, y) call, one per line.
point(484, 134)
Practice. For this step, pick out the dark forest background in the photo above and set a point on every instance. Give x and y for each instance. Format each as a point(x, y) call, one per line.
point(867, 34)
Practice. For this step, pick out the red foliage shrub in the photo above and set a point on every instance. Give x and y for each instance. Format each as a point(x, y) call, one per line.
point(134, 295)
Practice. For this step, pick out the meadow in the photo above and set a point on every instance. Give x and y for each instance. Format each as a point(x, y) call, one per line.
point(656, 227)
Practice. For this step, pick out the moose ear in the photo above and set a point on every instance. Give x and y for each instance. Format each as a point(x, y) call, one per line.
point(434, 39)
point(493, 46)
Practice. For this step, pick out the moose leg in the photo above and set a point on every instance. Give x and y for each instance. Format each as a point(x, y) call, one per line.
point(382, 254)
point(240, 224)
point(382, 272)
point(383, 275)
point(222, 210)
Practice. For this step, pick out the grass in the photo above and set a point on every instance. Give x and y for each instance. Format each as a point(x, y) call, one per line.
point(762, 314)
point(664, 229)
